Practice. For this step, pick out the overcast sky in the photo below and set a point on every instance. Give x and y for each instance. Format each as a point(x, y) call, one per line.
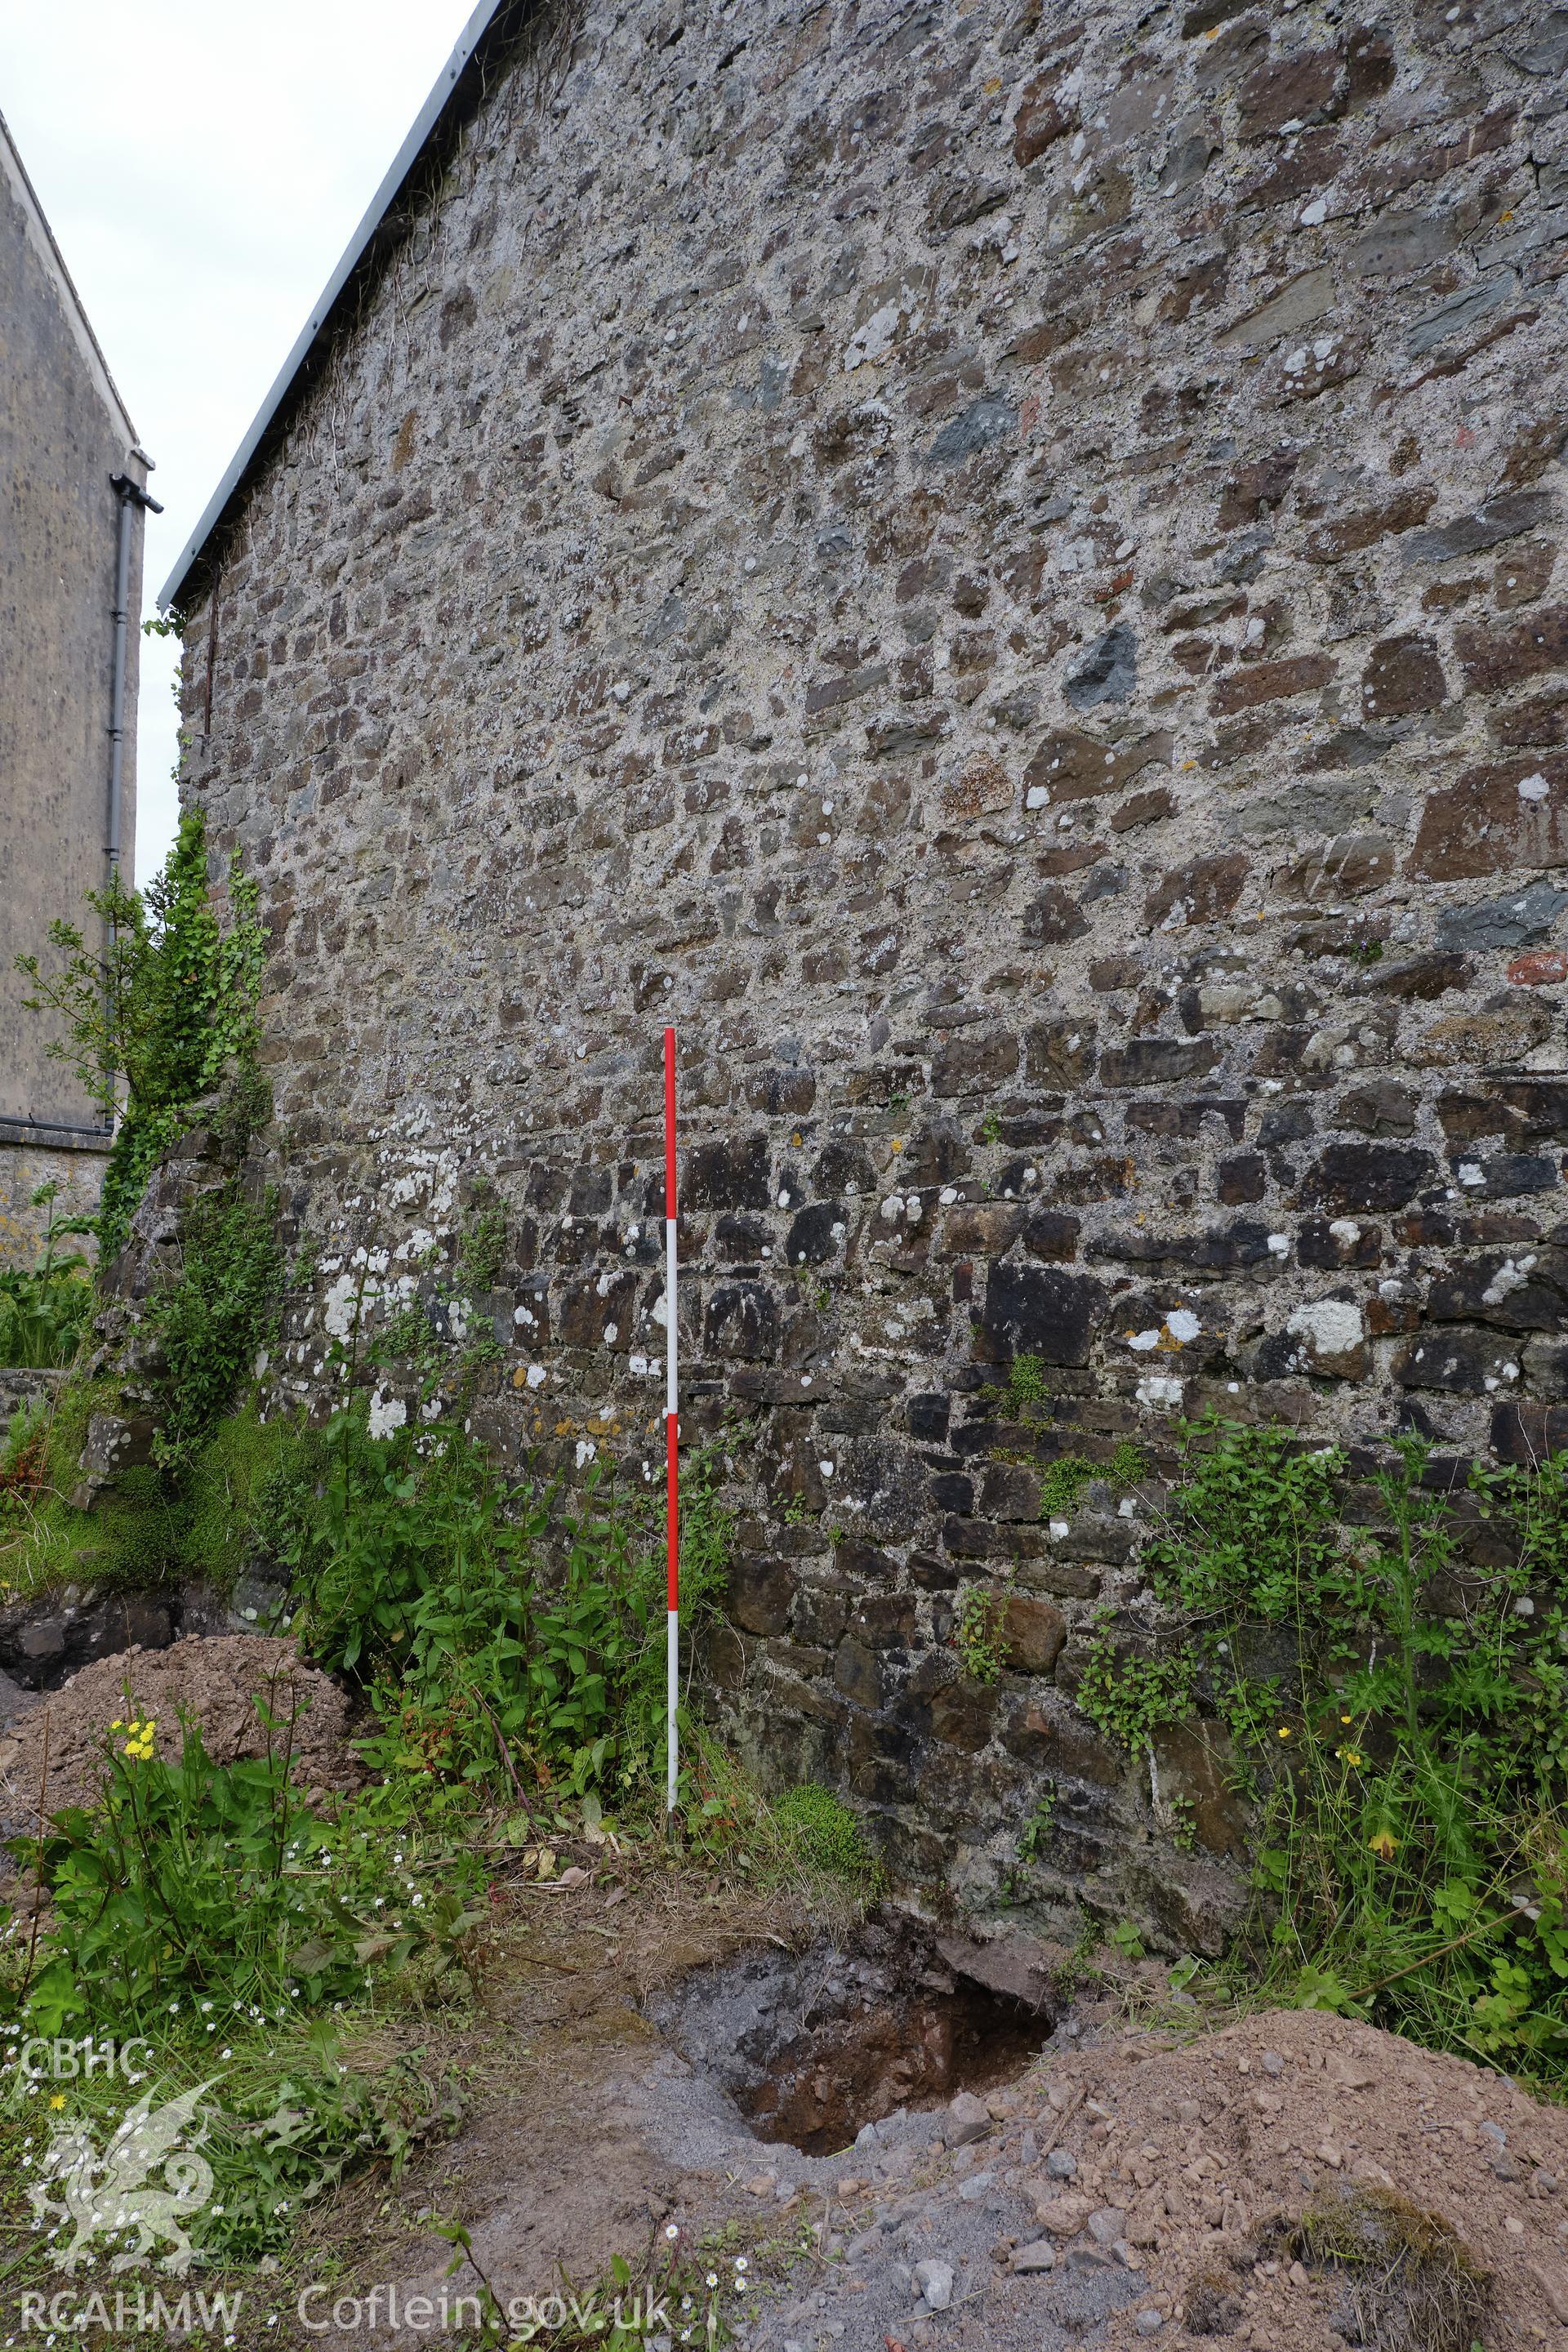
point(202, 168)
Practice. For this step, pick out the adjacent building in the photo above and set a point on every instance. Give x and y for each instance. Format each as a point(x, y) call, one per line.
point(72, 489)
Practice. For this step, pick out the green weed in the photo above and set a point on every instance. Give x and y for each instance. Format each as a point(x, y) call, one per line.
point(499, 1625)
point(45, 1309)
point(1397, 1713)
point(148, 1529)
point(1018, 1878)
point(483, 1248)
point(1024, 1392)
point(190, 1882)
point(1131, 1698)
point(826, 1833)
point(1063, 1481)
point(977, 1636)
point(1127, 1466)
point(155, 1020)
point(213, 1321)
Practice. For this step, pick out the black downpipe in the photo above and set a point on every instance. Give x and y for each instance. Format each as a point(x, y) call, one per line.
point(130, 496)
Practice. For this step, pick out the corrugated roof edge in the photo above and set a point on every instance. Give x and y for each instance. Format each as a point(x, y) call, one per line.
point(500, 19)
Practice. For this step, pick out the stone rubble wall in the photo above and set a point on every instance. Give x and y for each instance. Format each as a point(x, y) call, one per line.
point(1001, 569)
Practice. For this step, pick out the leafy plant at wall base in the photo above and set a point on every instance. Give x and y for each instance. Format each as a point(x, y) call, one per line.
point(230, 1491)
point(211, 1522)
point(826, 1833)
point(45, 1310)
point(501, 1625)
point(155, 1018)
point(24, 1461)
point(193, 1880)
point(1393, 1675)
point(977, 1636)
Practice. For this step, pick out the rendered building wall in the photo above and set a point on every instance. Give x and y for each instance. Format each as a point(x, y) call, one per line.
point(63, 435)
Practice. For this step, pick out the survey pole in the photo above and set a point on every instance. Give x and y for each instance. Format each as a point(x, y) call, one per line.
point(671, 1437)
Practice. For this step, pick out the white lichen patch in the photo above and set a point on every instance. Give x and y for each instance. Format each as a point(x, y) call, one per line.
point(1331, 1327)
point(339, 1310)
point(386, 1414)
point(1511, 1274)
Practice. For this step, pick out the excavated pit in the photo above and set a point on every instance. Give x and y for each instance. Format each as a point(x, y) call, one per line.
point(813, 2046)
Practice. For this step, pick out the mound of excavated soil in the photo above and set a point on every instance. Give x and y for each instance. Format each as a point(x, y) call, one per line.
point(1214, 2152)
point(1127, 2190)
point(215, 1680)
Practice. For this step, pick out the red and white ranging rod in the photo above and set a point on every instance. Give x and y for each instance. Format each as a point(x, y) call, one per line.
point(672, 1434)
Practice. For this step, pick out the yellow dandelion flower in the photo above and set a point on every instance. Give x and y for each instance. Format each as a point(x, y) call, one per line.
point(117, 1724)
point(59, 2099)
point(1383, 1845)
point(1284, 1731)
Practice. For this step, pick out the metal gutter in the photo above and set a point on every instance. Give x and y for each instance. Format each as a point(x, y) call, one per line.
point(130, 496)
point(41, 1132)
point(404, 163)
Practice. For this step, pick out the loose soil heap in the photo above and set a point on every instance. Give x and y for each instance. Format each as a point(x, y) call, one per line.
point(1217, 2152)
point(215, 1680)
point(1295, 2182)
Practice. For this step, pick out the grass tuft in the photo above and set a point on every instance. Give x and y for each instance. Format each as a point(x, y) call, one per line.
point(1410, 2284)
point(825, 1833)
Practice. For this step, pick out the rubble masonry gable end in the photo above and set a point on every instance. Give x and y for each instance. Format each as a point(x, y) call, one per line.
point(1003, 570)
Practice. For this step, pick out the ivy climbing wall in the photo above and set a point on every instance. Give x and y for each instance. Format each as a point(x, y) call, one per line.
point(1002, 570)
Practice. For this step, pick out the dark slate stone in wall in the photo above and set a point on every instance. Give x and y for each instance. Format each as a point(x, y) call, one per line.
point(1037, 1312)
